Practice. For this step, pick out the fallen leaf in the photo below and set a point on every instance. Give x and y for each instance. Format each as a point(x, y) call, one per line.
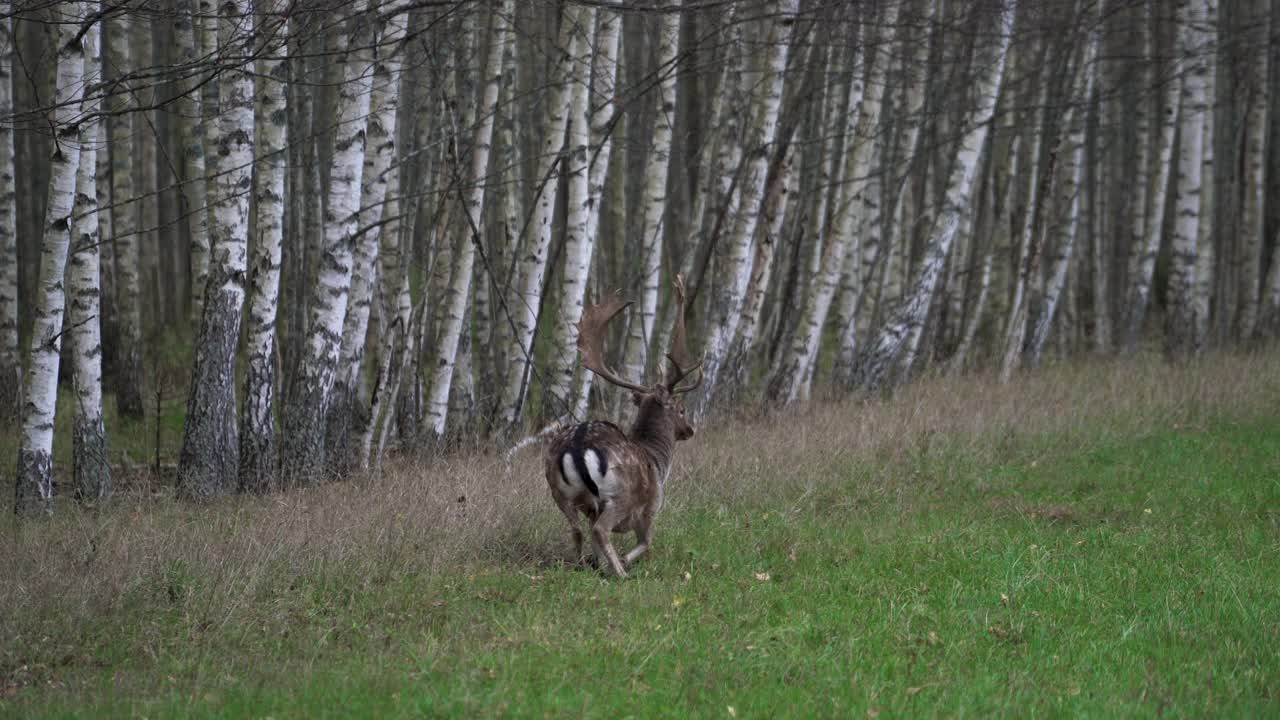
point(687, 576)
point(732, 712)
point(1004, 599)
point(873, 712)
point(677, 601)
point(1146, 511)
point(934, 639)
point(913, 691)
point(762, 576)
point(791, 554)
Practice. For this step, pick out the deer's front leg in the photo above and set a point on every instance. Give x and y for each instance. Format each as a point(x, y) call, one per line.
point(644, 534)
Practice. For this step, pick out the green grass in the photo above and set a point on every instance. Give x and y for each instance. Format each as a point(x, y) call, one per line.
point(1129, 572)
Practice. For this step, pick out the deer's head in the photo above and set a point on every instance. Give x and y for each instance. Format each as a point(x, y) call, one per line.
point(660, 402)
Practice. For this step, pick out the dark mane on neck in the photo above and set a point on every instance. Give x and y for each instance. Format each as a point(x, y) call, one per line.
point(654, 431)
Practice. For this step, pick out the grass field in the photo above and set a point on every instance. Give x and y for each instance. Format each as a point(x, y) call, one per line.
point(1098, 540)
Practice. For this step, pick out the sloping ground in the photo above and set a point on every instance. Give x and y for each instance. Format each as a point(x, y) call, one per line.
point(1096, 539)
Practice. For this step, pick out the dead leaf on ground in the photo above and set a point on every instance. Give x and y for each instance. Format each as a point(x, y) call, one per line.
point(762, 576)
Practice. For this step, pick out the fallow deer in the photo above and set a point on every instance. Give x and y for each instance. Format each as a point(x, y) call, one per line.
point(615, 478)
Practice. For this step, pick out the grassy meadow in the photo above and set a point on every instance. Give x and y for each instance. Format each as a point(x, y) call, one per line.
point(1096, 539)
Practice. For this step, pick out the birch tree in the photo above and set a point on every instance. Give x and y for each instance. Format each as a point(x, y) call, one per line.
point(1068, 203)
point(194, 195)
point(877, 361)
point(1253, 214)
point(590, 144)
point(859, 129)
point(124, 220)
point(1180, 337)
point(1205, 240)
point(727, 309)
point(859, 221)
point(210, 455)
point(34, 477)
point(532, 260)
point(10, 358)
point(257, 461)
point(654, 196)
point(379, 152)
point(1143, 260)
point(92, 472)
point(456, 299)
point(303, 451)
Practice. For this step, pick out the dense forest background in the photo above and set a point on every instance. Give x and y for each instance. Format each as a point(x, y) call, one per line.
point(333, 230)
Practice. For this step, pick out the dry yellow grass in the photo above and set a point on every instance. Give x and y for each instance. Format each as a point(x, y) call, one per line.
point(477, 509)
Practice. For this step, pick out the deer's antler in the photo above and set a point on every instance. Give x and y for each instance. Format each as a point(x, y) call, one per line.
point(679, 354)
point(591, 329)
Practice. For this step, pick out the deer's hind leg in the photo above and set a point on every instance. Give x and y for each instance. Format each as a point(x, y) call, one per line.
point(600, 531)
point(575, 526)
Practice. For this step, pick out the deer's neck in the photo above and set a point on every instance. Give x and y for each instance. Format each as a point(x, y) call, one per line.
point(654, 434)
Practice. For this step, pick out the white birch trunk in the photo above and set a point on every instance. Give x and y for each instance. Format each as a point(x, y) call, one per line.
point(584, 209)
point(304, 418)
point(1026, 257)
point(209, 459)
point(879, 358)
point(1181, 327)
point(727, 310)
point(379, 152)
point(397, 329)
point(445, 355)
point(1143, 262)
point(780, 203)
point(34, 477)
point(1205, 240)
point(532, 259)
point(859, 222)
point(91, 470)
point(1140, 188)
point(1068, 204)
point(654, 196)
point(193, 194)
point(124, 220)
point(258, 462)
point(201, 194)
point(10, 359)
point(1254, 186)
point(858, 127)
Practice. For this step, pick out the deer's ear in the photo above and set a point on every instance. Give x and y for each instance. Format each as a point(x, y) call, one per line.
point(636, 397)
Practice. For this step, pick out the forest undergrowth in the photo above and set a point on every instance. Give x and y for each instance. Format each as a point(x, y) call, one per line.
point(1099, 537)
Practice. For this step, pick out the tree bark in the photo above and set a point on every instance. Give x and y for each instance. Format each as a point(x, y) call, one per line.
point(258, 464)
point(658, 176)
point(458, 295)
point(34, 478)
point(1068, 205)
point(533, 256)
point(209, 459)
point(727, 310)
point(591, 151)
point(1143, 261)
point(1180, 336)
point(194, 192)
point(124, 220)
point(92, 472)
point(379, 152)
point(10, 358)
point(879, 358)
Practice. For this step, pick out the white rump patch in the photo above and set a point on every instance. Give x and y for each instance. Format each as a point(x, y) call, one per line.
point(570, 473)
point(592, 459)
